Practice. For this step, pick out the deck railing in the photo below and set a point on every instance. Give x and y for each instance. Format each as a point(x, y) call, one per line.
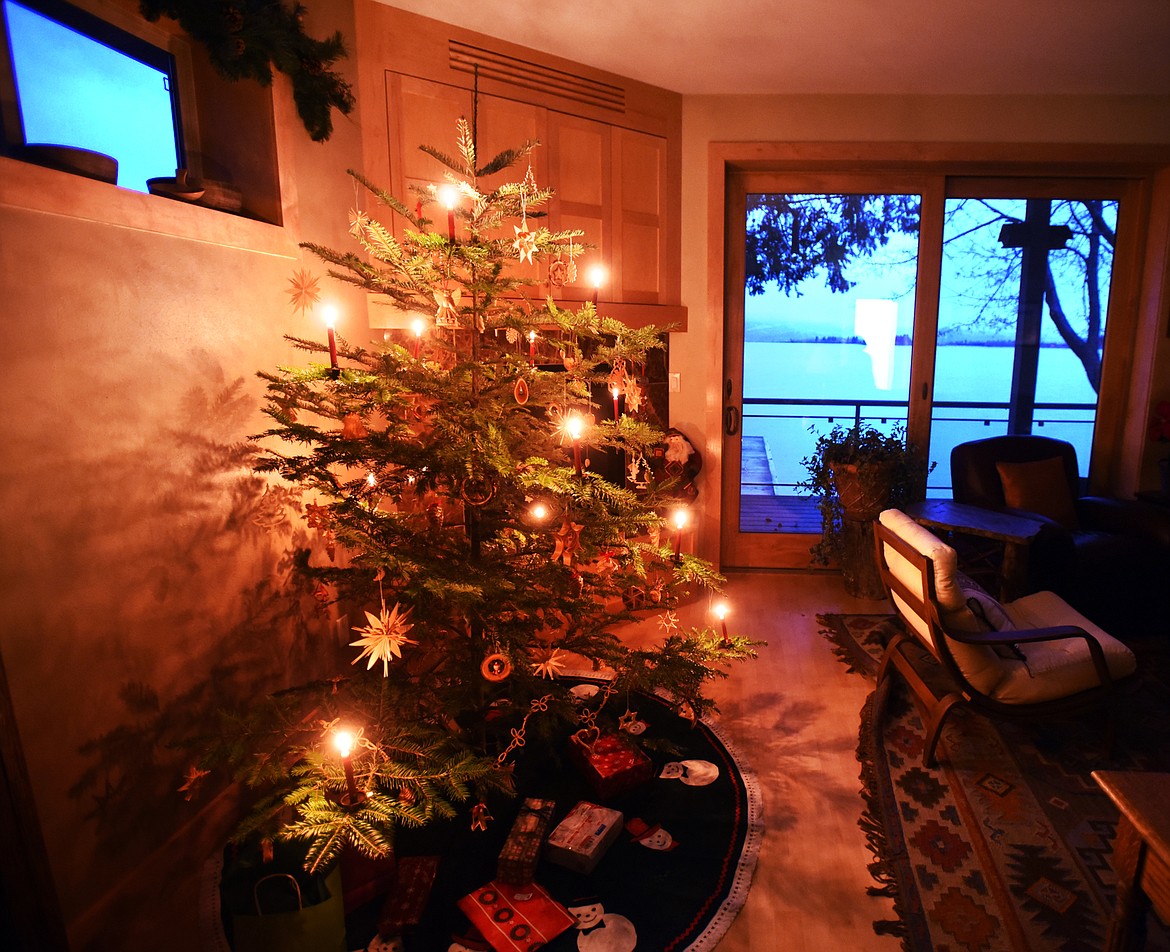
point(954, 422)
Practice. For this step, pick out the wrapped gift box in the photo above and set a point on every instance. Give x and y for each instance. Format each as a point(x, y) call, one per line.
point(612, 764)
point(405, 903)
point(517, 863)
point(582, 838)
point(515, 918)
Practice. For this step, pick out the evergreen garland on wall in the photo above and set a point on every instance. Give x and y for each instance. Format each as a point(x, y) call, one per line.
point(246, 39)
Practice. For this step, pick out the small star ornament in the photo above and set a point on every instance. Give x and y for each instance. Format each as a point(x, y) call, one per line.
point(548, 662)
point(383, 638)
point(358, 220)
point(525, 243)
point(304, 291)
point(192, 778)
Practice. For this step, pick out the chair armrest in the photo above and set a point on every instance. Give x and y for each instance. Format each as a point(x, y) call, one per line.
point(1035, 635)
point(1129, 516)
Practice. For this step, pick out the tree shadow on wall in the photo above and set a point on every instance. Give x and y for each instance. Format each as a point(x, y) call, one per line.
point(219, 613)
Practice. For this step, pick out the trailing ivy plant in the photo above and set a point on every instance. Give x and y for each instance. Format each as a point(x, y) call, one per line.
point(860, 444)
point(246, 39)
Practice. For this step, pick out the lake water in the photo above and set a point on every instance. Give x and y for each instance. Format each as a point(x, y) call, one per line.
point(847, 372)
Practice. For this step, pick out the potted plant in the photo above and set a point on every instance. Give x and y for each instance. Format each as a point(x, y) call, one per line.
point(855, 473)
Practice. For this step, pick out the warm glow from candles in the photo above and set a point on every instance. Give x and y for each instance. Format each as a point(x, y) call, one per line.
point(574, 425)
point(419, 326)
point(371, 480)
point(539, 511)
point(720, 610)
point(597, 276)
point(343, 741)
point(449, 196)
point(680, 519)
point(329, 314)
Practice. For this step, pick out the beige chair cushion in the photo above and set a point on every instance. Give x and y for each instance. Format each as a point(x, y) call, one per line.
point(1056, 668)
point(979, 664)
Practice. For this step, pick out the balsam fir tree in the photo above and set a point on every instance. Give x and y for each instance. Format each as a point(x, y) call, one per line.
point(489, 560)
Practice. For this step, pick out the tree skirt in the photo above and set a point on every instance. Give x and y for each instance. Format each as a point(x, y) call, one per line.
point(1006, 844)
point(702, 804)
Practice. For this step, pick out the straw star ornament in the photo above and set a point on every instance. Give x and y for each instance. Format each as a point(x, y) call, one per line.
point(305, 290)
point(382, 639)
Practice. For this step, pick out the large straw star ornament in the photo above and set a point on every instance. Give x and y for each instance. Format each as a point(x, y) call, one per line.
point(383, 638)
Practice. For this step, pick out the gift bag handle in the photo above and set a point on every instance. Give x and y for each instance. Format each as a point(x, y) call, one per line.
point(264, 879)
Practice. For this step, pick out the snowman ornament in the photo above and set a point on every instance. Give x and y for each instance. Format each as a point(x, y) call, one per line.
point(601, 931)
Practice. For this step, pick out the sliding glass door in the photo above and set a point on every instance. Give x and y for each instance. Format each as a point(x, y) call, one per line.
point(1022, 317)
point(947, 309)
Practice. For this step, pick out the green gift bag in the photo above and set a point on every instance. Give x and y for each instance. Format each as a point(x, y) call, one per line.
point(284, 919)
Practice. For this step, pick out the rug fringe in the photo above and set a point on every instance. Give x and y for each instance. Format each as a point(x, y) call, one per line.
point(882, 869)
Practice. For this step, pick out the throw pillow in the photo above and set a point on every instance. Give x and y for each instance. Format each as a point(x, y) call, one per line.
point(986, 614)
point(1040, 486)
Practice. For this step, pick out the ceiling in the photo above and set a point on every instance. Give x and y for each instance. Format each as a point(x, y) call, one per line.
point(694, 47)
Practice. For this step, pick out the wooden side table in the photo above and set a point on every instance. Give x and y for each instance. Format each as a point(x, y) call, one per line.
point(1141, 852)
point(1014, 532)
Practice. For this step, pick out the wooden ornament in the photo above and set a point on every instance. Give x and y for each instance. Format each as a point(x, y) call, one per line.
point(496, 667)
point(520, 391)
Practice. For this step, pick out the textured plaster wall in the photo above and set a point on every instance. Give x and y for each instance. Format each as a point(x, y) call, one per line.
point(145, 573)
point(698, 354)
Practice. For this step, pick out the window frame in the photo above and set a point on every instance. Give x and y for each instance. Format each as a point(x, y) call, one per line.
point(93, 27)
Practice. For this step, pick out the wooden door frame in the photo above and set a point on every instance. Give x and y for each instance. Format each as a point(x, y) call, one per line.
point(1119, 443)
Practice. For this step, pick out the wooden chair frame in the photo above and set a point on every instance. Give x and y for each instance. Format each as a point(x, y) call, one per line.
point(935, 708)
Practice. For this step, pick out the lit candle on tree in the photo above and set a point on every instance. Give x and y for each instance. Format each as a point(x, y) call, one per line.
point(330, 316)
point(344, 741)
point(575, 425)
point(721, 614)
point(449, 197)
point(532, 348)
point(616, 393)
point(680, 523)
point(419, 326)
point(597, 275)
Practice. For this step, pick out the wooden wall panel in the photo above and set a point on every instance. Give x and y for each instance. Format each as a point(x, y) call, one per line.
point(611, 147)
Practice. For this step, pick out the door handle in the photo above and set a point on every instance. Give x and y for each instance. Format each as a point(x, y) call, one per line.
point(730, 420)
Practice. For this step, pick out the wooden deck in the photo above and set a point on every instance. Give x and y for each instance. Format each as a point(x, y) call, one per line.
point(778, 514)
point(760, 508)
point(755, 469)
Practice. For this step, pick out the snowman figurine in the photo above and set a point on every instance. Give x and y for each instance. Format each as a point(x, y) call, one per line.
point(601, 931)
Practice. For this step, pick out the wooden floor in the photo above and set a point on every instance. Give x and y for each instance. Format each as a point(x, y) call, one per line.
point(794, 715)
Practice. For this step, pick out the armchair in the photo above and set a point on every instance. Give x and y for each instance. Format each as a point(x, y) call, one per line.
point(1033, 656)
point(1109, 558)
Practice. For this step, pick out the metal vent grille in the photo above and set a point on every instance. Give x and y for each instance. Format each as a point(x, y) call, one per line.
point(507, 69)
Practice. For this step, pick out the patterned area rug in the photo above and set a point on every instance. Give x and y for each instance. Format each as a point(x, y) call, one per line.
point(1006, 845)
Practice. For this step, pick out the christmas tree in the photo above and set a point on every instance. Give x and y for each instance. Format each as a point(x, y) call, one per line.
point(448, 472)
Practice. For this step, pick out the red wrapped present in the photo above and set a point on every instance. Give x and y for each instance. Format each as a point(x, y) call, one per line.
point(612, 764)
point(363, 878)
point(405, 903)
point(515, 918)
point(517, 863)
